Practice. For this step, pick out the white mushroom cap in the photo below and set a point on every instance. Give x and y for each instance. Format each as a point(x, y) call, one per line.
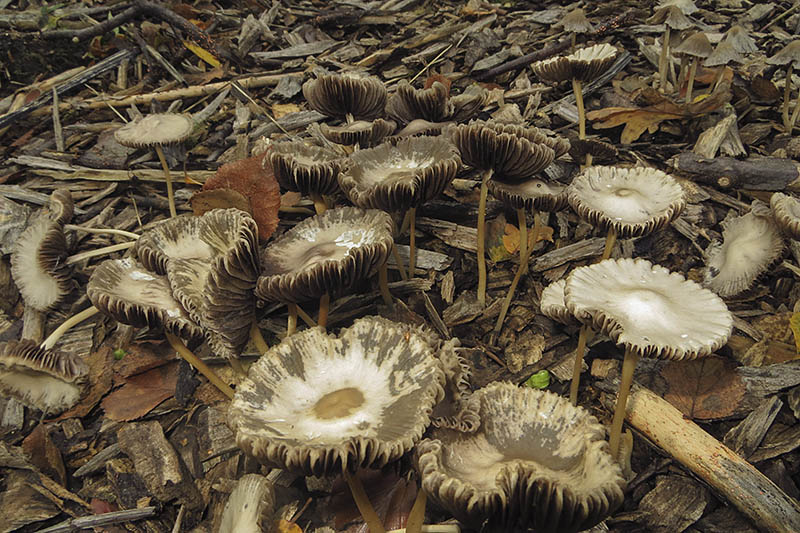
point(786, 210)
point(649, 309)
point(248, 506)
point(155, 129)
point(585, 64)
point(552, 303)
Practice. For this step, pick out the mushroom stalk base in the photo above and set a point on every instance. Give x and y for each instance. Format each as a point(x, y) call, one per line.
point(237, 367)
point(178, 345)
point(611, 239)
point(74, 320)
point(482, 238)
point(524, 255)
point(291, 323)
point(258, 338)
point(319, 203)
point(170, 195)
point(324, 306)
point(368, 513)
point(578, 366)
point(383, 281)
point(628, 365)
point(412, 241)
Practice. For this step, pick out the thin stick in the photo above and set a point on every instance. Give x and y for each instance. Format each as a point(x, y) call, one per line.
point(77, 258)
point(374, 523)
point(237, 367)
point(178, 345)
point(417, 514)
point(324, 306)
point(576, 88)
point(109, 231)
point(482, 238)
point(404, 223)
point(170, 196)
point(412, 240)
point(524, 254)
point(258, 338)
point(291, 324)
point(74, 320)
point(319, 203)
point(611, 238)
point(578, 366)
point(399, 262)
point(383, 282)
point(306, 318)
point(628, 365)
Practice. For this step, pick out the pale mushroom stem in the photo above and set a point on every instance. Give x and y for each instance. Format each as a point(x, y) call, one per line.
point(371, 518)
point(187, 355)
point(482, 237)
point(578, 366)
point(628, 365)
point(412, 241)
point(237, 367)
point(383, 282)
point(576, 88)
point(417, 514)
point(74, 320)
point(258, 338)
point(795, 113)
point(524, 255)
point(170, 195)
point(399, 262)
point(662, 60)
point(611, 239)
point(319, 203)
point(690, 83)
point(291, 324)
point(109, 231)
point(324, 306)
point(787, 95)
point(77, 258)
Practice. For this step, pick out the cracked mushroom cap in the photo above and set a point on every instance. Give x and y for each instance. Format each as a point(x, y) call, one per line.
point(553, 305)
point(536, 194)
point(337, 95)
point(156, 129)
point(648, 309)
point(585, 64)
point(750, 244)
point(506, 150)
point(49, 380)
point(249, 506)
point(320, 404)
point(325, 253)
point(396, 177)
point(786, 210)
point(634, 201)
point(37, 257)
point(408, 103)
point(360, 132)
point(306, 168)
point(535, 462)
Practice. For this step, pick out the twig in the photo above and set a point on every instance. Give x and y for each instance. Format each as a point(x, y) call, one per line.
point(99, 520)
point(525, 60)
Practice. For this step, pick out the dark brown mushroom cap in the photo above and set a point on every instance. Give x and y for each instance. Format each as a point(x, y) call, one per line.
point(696, 45)
point(306, 168)
point(741, 40)
point(786, 210)
point(788, 54)
point(724, 53)
point(648, 309)
point(530, 194)
point(129, 293)
point(49, 380)
point(325, 253)
point(156, 129)
point(408, 103)
point(321, 404)
point(585, 64)
point(535, 462)
point(513, 157)
point(634, 201)
point(559, 145)
point(397, 177)
point(337, 95)
point(419, 127)
point(361, 132)
point(601, 151)
point(672, 16)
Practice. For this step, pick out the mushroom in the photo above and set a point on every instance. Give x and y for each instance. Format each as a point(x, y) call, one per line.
point(401, 177)
point(320, 404)
point(724, 53)
point(361, 133)
point(789, 55)
point(157, 130)
point(696, 46)
point(457, 410)
point(673, 19)
point(536, 462)
point(408, 103)
point(310, 170)
point(249, 506)
point(575, 22)
point(648, 310)
point(600, 151)
point(346, 96)
point(741, 40)
point(786, 211)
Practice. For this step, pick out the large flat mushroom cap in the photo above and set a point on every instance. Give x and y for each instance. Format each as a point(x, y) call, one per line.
point(531, 194)
point(395, 177)
point(337, 95)
point(585, 64)
point(634, 201)
point(535, 462)
point(649, 309)
point(786, 210)
point(156, 129)
point(325, 253)
point(49, 380)
point(321, 404)
point(552, 303)
point(306, 168)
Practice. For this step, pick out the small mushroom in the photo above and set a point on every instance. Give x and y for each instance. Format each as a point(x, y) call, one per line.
point(575, 22)
point(348, 95)
point(740, 40)
point(308, 169)
point(673, 19)
point(724, 54)
point(249, 506)
point(600, 151)
point(786, 210)
point(361, 133)
point(789, 55)
point(687, 7)
point(697, 47)
point(408, 103)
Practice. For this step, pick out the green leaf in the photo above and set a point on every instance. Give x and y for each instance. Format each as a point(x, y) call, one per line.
point(540, 380)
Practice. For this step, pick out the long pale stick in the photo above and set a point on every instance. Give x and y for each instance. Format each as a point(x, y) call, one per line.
point(417, 514)
point(88, 254)
point(178, 345)
point(258, 338)
point(368, 513)
point(787, 96)
point(524, 255)
point(75, 319)
point(291, 324)
point(170, 195)
point(481, 253)
point(577, 89)
point(103, 231)
point(628, 366)
point(662, 60)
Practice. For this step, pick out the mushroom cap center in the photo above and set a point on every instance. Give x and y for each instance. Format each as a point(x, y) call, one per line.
point(339, 403)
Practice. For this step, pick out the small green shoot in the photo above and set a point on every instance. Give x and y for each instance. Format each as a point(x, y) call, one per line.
point(540, 380)
point(118, 354)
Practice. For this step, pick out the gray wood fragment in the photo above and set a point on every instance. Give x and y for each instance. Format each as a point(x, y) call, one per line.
point(674, 504)
point(745, 437)
point(573, 252)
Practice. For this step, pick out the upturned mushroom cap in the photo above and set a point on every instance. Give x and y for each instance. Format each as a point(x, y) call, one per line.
point(360, 132)
point(741, 40)
point(467, 104)
point(396, 177)
point(576, 22)
point(457, 410)
point(306, 168)
point(553, 305)
point(512, 156)
point(337, 95)
point(648, 309)
point(786, 210)
point(634, 201)
point(750, 244)
point(696, 45)
point(724, 53)
point(37, 257)
point(49, 380)
point(325, 253)
point(585, 64)
point(156, 129)
point(535, 462)
point(408, 103)
point(531, 194)
point(249, 506)
point(600, 151)
point(321, 404)
point(788, 54)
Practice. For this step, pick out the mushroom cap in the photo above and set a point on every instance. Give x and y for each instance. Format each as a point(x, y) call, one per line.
point(788, 54)
point(408, 103)
point(397, 177)
point(553, 305)
point(535, 462)
point(648, 309)
point(576, 22)
point(531, 194)
point(786, 210)
point(337, 95)
point(686, 6)
point(673, 17)
point(504, 149)
point(634, 201)
point(723, 54)
point(696, 45)
point(325, 253)
point(361, 132)
point(249, 505)
point(49, 380)
point(601, 151)
point(456, 410)
point(418, 127)
point(156, 129)
point(750, 244)
point(741, 40)
point(306, 168)
point(467, 104)
point(585, 64)
point(37, 257)
point(321, 404)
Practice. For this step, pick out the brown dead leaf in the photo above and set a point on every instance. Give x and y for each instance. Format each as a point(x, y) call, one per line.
point(204, 201)
point(100, 378)
point(284, 526)
point(140, 357)
point(511, 237)
point(708, 388)
point(141, 393)
point(279, 110)
point(495, 233)
point(43, 454)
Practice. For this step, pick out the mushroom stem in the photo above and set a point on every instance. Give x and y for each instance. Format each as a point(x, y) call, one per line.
point(178, 345)
point(77, 258)
point(291, 323)
point(578, 366)
point(662, 60)
point(524, 254)
point(74, 320)
point(482, 237)
point(374, 524)
point(319, 203)
point(399, 262)
point(795, 114)
point(611, 239)
point(383, 281)
point(237, 367)
point(324, 306)
point(628, 365)
point(417, 514)
point(170, 196)
point(258, 338)
point(110, 231)
point(576, 88)
point(412, 241)
point(787, 95)
point(690, 83)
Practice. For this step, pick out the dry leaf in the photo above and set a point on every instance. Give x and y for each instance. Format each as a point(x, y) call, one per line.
point(495, 247)
point(141, 393)
point(279, 110)
point(202, 53)
point(708, 388)
point(43, 454)
point(204, 201)
point(511, 237)
point(794, 323)
point(285, 526)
